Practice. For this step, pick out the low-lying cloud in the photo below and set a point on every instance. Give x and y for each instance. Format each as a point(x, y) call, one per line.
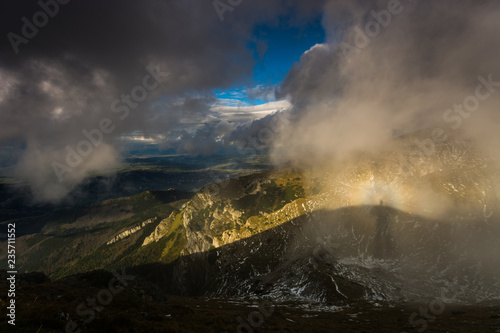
point(390, 68)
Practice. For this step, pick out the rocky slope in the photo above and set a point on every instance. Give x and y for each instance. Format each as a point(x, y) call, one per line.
point(140, 307)
point(436, 233)
point(318, 234)
point(97, 236)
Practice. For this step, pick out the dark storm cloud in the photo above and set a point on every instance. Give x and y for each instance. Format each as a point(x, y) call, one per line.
point(65, 77)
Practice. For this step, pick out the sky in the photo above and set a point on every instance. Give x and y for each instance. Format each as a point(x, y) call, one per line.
point(306, 81)
point(284, 45)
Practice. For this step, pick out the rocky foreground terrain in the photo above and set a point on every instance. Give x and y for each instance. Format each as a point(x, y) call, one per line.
point(52, 306)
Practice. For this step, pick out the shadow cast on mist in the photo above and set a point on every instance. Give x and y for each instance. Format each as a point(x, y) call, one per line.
point(343, 254)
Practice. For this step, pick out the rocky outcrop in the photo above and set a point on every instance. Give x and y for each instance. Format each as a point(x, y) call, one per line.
point(240, 208)
point(131, 231)
point(161, 230)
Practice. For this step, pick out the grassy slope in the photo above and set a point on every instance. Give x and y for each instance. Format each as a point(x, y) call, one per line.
point(75, 240)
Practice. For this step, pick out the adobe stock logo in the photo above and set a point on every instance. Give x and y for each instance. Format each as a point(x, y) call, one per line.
point(96, 304)
point(363, 37)
point(221, 7)
point(40, 19)
point(256, 318)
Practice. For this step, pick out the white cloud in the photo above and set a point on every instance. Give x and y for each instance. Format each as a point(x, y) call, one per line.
point(234, 113)
point(322, 46)
point(144, 139)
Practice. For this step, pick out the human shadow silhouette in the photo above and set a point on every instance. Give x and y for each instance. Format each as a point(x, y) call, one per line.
point(383, 236)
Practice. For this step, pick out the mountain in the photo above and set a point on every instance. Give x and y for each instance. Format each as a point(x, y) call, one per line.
point(368, 227)
point(85, 235)
point(342, 256)
point(155, 226)
point(348, 242)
